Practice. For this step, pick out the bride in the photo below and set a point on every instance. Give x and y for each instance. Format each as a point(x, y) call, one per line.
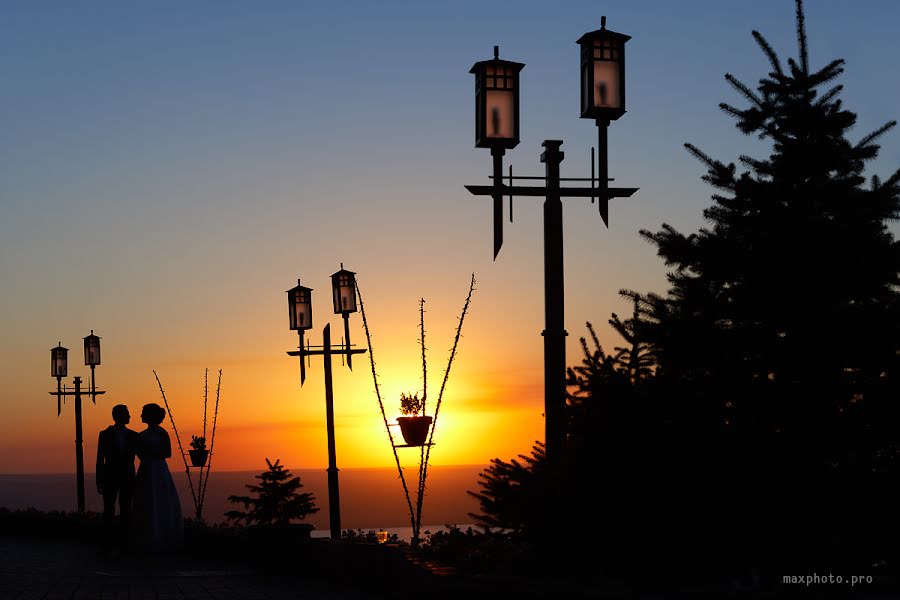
point(157, 522)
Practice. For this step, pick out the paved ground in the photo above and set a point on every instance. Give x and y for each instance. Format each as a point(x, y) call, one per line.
point(51, 570)
point(41, 569)
point(34, 568)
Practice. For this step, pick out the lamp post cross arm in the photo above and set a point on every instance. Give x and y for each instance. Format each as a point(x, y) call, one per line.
point(66, 392)
point(565, 192)
point(322, 352)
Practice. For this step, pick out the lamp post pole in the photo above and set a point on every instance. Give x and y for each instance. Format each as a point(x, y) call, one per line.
point(300, 313)
point(326, 351)
point(334, 493)
point(79, 443)
point(497, 128)
point(59, 369)
point(554, 309)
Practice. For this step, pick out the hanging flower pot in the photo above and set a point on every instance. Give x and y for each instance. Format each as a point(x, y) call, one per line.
point(198, 453)
point(414, 429)
point(198, 457)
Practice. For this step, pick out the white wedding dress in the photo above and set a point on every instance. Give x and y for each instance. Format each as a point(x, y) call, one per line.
point(157, 522)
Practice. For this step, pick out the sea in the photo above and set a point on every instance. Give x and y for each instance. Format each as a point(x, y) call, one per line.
point(370, 499)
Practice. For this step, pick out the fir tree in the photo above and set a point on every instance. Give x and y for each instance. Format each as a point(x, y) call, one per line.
point(779, 336)
point(635, 360)
point(513, 494)
point(785, 307)
point(276, 502)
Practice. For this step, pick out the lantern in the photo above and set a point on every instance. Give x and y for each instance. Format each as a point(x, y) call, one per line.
point(300, 307)
point(58, 361)
point(92, 349)
point(343, 287)
point(496, 102)
point(603, 73)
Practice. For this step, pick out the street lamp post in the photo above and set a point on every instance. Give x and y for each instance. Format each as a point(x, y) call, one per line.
point(59, 369)
point(343, 284)
point(497, 128)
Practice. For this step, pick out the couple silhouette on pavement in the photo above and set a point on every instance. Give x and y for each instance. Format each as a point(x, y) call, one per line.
point(150, 519)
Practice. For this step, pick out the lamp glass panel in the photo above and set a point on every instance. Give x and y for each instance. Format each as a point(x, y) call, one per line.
point(92, 351)
point(499, 114)
point(344, 294)
point(607, 93)
point(58, 362)
point(301, 317)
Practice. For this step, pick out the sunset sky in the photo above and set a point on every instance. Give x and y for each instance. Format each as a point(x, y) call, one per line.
point(169, 169)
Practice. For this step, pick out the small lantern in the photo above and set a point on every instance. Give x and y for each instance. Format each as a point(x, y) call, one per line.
point(58, 361)
point(603, 73)
point(496, 102)
point(343, 286)
point(92, 349)
point(300, 307)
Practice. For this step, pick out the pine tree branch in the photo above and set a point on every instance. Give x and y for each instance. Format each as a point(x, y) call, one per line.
point(729, 109)
point(744, 90)
point(761, 167)
point(892, 180)
point(875, 134)
point(831, 71)
point(801, 38)
point(767, 49)
point(829, 95)
point(700, 155)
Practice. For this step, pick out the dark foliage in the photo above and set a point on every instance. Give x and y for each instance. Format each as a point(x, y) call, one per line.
point(370, 536)
point(276, 502)
point(51, 524)
point(780, 332)
point(513, 494)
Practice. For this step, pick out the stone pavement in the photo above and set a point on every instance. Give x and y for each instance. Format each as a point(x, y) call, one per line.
point(34, 568)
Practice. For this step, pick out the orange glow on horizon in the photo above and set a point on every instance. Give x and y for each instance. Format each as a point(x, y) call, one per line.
point(264, 413)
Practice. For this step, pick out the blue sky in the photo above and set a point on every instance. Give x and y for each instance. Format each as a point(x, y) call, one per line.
point(168, 169)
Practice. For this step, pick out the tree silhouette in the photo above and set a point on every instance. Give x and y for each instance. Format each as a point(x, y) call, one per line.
point(513, 494)
point(780, 331)
point(637, 359)
point(276, 502)
point(792, 292)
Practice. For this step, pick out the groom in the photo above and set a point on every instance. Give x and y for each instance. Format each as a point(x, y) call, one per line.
point(115, 477)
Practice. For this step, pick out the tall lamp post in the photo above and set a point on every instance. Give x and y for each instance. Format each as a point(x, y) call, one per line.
point(343, 286)
point(58, 369)
point(497, 128)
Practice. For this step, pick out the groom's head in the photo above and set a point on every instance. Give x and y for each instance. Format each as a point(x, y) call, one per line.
point(120, 414)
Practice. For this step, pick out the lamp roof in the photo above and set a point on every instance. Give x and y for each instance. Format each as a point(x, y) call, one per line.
point(497, 62)
point(299, 286)
point(603, 32)
point(343, 270)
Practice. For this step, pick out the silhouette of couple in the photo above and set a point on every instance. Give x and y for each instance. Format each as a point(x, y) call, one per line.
point(150, 519)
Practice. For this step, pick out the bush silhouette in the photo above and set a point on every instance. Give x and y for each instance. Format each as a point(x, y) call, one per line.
point(276, 501)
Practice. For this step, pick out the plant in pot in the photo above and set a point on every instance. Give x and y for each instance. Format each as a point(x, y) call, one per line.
point(413, 426)
point(198, 451)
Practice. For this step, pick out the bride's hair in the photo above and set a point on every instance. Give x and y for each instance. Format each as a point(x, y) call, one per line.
point(155, 413)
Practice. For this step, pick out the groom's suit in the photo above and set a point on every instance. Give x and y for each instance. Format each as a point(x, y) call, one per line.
point(115, 476)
